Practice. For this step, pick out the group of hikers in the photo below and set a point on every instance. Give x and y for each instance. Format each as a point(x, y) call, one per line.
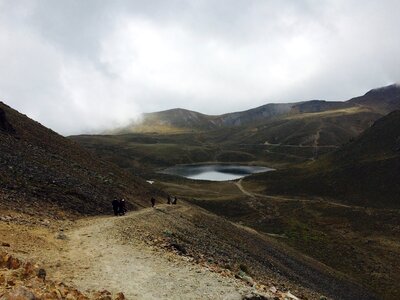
point(170, 200)
point(119, 206)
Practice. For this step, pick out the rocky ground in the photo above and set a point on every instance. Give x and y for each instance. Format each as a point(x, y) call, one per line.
point(167, 252)
point(21, 280)
point(41, 169)
point(97, 258)
point(27, 261)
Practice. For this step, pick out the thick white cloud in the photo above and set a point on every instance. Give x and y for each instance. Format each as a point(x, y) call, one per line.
point(85, 66)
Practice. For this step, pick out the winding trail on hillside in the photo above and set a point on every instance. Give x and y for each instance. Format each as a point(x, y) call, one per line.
point(242, 189)
point(240, 186)
point(96, 259)
point(316, 140)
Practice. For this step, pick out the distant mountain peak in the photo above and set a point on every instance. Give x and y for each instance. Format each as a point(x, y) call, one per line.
point(381, 100)
point(385, 89)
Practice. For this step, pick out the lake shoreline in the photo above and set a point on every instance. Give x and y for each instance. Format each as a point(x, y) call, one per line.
point(214, 172)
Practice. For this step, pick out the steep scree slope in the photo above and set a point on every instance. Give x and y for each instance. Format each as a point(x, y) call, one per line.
point(41, 170)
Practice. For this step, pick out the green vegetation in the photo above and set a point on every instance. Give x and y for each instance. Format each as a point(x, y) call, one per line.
point(363, 172)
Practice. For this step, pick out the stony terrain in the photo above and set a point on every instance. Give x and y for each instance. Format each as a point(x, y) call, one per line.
point(39, 168)
point(98, 255)
point(93, 259)
point(26, 280)
point(27, 261)
point(169, 252)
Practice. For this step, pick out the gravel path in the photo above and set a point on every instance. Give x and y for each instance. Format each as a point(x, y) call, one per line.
point(97, 260)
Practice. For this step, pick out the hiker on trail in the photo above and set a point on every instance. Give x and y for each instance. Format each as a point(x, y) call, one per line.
point(169, 199)
point(175, 200)
point(153, 201)
point(115, 205)
point(122, 207)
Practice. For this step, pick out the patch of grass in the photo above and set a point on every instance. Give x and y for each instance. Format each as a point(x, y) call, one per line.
point(329, 113)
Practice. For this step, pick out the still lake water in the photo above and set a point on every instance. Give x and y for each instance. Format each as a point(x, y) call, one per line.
point(214, 172)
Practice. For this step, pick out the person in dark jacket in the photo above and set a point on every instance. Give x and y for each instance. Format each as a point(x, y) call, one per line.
point(115, 205)
point(122, 207)
point(153, 201)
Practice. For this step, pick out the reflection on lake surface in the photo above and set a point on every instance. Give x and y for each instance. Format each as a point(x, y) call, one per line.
point(214, 172)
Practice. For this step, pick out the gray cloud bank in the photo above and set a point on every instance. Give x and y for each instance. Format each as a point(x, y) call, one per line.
point(84, 66)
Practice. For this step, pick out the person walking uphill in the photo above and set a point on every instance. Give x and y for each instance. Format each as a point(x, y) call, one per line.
point(115, 205)
point(153, 201)
point(122, 207)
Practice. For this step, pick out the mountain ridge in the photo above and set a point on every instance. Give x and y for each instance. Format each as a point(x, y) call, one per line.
point(382, 100)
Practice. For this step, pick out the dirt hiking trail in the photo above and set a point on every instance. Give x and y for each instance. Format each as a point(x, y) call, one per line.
point(239, 185)
point(95, 258)
point(171, 252)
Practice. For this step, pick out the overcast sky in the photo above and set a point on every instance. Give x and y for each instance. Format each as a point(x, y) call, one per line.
point(83, 66)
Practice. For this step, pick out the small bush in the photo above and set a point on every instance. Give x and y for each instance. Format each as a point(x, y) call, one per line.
point(244, 268)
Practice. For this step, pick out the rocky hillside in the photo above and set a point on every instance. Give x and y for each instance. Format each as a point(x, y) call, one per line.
point(167, 252)
point(27, 280)
point(42, 172)
point(384, 100)
point(234, 249)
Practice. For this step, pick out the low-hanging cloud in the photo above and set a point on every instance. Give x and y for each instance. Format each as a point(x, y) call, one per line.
point(86, 66)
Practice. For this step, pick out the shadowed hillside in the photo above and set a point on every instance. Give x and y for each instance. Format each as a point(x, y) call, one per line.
point(364, 172)
point(325, 128)
point(41, 169)
point(385, 99)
